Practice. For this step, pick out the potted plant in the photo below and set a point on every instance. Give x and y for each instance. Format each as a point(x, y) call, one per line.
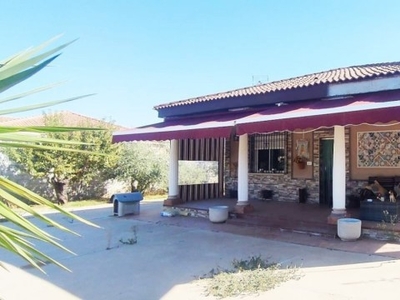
point(300, 161)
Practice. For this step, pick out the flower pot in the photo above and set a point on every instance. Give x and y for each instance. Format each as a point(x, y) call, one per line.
point(301, 165)
point(349, 229)
point(218, 214)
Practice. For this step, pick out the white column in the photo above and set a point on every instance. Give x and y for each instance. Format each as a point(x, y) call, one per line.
point(173, 187)
point(243, 171)
point(339, 172)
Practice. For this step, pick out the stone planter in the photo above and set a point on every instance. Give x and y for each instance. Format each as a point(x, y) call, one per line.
point(349, 229)
point(373, 211)
point(218, 214)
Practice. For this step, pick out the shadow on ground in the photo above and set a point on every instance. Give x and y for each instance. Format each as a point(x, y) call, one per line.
point(172, 252)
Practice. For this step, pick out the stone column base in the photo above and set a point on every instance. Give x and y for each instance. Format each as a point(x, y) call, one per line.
point(172, 200)
point(337, 214)
point(243, 208)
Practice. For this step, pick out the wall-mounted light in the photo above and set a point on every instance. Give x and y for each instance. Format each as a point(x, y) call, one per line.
point(238, 109)
point(336, 98)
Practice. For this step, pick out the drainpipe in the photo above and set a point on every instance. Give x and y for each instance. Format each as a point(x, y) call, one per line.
point(243, 206)
point(338, 176)
point(173, 187)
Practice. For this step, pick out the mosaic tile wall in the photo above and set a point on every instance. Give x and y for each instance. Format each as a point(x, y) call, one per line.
point(378, 149)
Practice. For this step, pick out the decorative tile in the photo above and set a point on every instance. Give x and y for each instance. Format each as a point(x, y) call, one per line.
point(378, 149)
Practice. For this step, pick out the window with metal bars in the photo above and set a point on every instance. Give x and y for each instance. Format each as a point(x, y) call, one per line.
point(268, 153)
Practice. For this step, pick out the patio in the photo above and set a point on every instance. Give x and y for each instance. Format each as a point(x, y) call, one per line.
point(175, 251)
point(287, 216)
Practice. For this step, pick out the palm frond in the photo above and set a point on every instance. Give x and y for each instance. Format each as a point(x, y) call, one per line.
point(21, 239)
point(40, 105)
point(20, 55)
point(25, 60)
point(9, 82)
point(25, 193)
point(43, 147)
point(28, 93)
point(19, 242)
point(43, 129)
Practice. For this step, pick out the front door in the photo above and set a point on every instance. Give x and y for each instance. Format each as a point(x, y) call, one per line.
point(325, 171)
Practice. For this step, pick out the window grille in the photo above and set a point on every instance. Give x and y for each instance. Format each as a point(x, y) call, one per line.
point(268, 153)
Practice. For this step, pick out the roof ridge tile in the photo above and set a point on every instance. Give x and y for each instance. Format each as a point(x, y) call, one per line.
point(337, 75)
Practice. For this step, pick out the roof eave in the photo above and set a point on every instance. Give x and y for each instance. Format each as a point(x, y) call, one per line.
point(255, 100)
point(320, 91)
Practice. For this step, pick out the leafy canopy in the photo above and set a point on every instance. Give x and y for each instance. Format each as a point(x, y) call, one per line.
point(143, 165)
point(79, 168)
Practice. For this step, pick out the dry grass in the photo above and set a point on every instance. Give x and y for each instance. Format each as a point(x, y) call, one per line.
point(250, 276)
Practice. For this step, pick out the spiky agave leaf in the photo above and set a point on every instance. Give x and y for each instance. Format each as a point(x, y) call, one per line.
point(28, 93)
point(43, 129)
point(24, 193)
point(40, 105)
point(22, 243)
point(25, 64)
point(14, 70)
point(32, 137)
point(9, 82)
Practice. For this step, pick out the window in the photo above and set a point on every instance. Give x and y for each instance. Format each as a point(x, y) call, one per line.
point(268, 153)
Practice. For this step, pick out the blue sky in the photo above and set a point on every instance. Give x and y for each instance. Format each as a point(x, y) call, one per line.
point(138, 54)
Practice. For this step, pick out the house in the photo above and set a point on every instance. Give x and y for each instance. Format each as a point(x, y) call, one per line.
point(67, 118)
point(342, 123)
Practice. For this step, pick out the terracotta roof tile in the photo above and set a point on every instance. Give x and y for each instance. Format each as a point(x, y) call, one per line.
point(4, 118)
point(339, 75)
point(69, 119)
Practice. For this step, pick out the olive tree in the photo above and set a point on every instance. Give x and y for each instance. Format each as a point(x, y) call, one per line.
point(143, 165)
point(63, 168)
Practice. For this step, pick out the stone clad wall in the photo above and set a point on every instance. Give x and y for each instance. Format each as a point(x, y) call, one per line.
point(284, 187)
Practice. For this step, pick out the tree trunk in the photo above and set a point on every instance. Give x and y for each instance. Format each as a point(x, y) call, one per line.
point(61, 188)
point(134, 186)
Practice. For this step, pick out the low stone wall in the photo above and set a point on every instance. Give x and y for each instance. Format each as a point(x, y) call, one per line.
point(283, 187)
point(186, 212)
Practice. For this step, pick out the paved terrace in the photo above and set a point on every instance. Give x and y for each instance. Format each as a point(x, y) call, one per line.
point(172, 252)
point(304, 218)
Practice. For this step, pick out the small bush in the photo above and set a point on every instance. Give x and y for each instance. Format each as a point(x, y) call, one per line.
point(253, 263)
point(247, 277)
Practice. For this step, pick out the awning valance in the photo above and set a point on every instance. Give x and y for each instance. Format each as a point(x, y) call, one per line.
point(313, 114)
point(317, 114)
point(213, 126)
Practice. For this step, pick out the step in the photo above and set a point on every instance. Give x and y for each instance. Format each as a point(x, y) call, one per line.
point(299, 226)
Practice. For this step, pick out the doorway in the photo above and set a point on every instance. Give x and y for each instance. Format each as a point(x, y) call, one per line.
point(325, 172)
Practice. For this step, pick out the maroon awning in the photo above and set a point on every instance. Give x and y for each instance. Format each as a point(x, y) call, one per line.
point(368, 109)
point(213, 126)
point(321, 113)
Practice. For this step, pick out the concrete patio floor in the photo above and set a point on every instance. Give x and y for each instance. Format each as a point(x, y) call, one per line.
point(290, 216)
point(172, 252)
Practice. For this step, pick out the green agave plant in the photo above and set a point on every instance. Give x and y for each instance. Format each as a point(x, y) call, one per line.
point(21, 241)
